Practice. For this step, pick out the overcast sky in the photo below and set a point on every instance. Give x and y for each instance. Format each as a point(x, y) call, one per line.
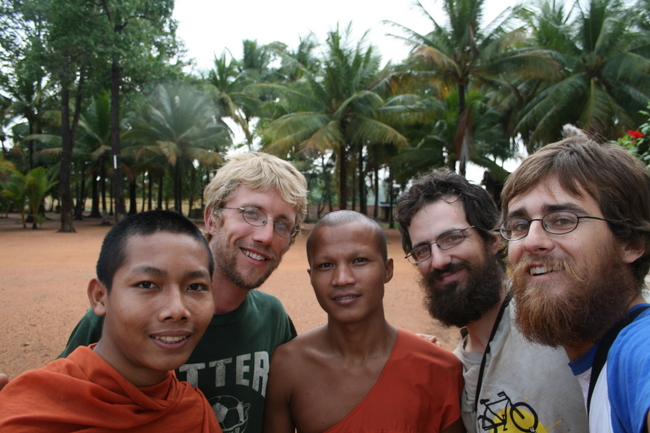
point(208, 27)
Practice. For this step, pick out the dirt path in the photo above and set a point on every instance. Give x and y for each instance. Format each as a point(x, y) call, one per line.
point(44, 274)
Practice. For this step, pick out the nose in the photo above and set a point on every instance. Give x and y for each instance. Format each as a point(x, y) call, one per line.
point(174, 308)
point(343, 276)
point(538, 239)
point(265, 233)
point(439, 260)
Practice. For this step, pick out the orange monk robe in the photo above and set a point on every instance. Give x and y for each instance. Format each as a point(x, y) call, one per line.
point(418, 391)
point(83, 392)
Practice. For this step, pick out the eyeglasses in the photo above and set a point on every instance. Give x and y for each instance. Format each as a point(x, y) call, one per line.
point(257, 218)
point(559, 222)
point(445, 241)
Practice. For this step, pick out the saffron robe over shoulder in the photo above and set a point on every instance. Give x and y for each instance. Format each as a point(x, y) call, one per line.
point(83, 392)
point(418, 391)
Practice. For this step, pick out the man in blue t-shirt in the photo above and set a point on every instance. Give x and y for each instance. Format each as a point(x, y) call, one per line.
point(577, 218)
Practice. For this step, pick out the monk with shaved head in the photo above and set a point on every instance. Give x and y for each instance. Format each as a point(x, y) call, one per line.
point(358, 372)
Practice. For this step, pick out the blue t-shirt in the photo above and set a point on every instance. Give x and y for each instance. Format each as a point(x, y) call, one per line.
point(628, 375)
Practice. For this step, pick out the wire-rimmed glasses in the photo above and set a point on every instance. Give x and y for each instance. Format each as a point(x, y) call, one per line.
point(445, 241)
point(256, 217)
point(559, 222)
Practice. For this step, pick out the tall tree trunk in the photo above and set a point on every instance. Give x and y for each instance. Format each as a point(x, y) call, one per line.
point(81, 198)
point(118, 182)
point(102, 187)
point(160, 189)
point(191, 196)
point(177, 187)
point(376, 182)
point(460, 136)
point(133, 205)
point(354, 188)
point(328, 183)
point(144, 189)
point(206, 179)
point(391, 220)
point(30, 148)
point(150, 194)
point(343, 177)
point(363, 204)
point(66, 163)
point(94, 188)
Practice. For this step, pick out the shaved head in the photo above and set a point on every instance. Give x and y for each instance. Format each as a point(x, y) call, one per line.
point(345, 217)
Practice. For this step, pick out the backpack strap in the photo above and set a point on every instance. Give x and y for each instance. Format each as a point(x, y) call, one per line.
point(603, 348)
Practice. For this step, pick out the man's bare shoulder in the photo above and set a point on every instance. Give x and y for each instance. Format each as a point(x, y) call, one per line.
point(307, 344)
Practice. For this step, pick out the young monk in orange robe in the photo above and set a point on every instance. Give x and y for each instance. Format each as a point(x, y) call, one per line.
point(154, 287)
point(358, 373)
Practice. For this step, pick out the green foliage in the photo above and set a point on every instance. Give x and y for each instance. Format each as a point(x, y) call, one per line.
point(14, 191)
point(338, 108)
point(25, 190)
point(87, 83)
point(37, 185)
point(637, 142)
point(461, 57)
point(181, 124)
point(605, 81)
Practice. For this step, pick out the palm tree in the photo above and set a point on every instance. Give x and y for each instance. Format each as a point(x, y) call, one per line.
point(333, 110)
point(227, 82)
point(14, 190)
point(91, 153)
point(37, 185)
point(28, 100)
point(6, 171)
point(462, 56)
point(429, 139)
point(182, 124)
point(605, 80)
point(95, 138)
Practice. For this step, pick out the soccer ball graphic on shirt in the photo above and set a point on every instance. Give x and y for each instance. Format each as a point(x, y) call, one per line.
point(231, 413)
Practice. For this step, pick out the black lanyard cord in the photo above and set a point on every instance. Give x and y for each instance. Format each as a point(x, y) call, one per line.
point(505, 303)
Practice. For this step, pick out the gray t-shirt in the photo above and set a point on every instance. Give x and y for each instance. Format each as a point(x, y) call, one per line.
point(525, 386)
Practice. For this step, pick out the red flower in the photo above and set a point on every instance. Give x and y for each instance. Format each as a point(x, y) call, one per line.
point(635, 134)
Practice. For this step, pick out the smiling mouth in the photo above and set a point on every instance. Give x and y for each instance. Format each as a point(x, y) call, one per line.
point(449, 274)
point(170, 340)
point(542, 270)
point(343, 298)
point(254, 256)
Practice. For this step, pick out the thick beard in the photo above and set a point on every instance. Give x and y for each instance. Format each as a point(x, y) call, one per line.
point(225, 260)
point(591, 302)
point(460, 303)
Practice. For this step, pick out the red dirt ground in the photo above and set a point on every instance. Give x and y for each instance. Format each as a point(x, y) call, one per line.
point(44, 274)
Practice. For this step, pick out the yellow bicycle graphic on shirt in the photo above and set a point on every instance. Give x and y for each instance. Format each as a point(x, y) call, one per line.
point(521, 415)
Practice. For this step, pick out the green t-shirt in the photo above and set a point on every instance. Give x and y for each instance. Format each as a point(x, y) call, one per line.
point(230, 365)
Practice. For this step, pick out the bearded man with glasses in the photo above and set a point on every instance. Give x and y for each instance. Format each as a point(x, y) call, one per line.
point(577, 218)
point(448, 231)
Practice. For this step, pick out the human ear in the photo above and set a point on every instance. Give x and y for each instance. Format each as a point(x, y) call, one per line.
point(97, 295)
point(210, 221)
point(388, 270)
point(632, 250)
point(495, 242)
